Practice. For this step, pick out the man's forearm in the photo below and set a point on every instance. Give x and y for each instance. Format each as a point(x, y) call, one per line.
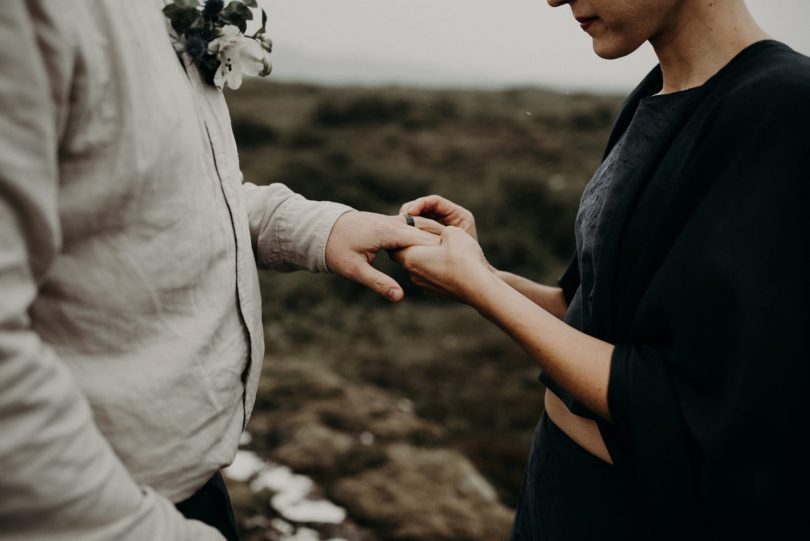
point(289, 232)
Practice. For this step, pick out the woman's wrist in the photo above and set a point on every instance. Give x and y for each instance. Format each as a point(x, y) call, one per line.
point(482, 292)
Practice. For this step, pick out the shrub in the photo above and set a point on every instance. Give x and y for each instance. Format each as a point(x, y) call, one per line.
point(252, 134)
point(370, 110)
point(361, 111)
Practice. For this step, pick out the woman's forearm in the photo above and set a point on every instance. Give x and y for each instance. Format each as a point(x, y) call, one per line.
point(550, 299)
point(577, 362)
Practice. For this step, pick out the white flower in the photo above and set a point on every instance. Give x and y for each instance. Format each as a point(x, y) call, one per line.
point(238, 55)
point(265, 42)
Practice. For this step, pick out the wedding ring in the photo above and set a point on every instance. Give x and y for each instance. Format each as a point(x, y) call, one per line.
point(409, 220)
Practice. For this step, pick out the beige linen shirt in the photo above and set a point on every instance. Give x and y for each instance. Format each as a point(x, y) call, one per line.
point(130, 316)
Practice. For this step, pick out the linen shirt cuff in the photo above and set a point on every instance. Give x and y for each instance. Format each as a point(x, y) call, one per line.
point(299, 235)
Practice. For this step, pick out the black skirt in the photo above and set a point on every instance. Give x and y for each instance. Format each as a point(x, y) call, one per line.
point(569, 494)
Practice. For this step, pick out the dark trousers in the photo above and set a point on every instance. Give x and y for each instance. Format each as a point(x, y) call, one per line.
point(212, 505)
point(570, 495)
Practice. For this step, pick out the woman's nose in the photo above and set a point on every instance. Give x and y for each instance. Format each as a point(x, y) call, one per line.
point(558, 3)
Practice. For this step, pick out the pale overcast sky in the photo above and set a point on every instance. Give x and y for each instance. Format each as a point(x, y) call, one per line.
point(471, 43)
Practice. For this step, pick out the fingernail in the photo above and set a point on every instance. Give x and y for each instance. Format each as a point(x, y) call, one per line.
point(392, 294)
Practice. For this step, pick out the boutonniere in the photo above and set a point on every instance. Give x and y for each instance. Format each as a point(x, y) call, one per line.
point(212, 34)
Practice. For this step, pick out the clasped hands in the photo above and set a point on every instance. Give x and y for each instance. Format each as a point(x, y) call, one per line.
point(441, 253)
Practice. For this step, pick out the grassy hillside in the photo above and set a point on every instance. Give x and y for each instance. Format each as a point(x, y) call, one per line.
point(518, 159)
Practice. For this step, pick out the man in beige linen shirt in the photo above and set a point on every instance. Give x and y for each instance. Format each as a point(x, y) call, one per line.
point(130, 325)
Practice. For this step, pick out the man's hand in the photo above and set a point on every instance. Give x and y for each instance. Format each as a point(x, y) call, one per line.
point(357, 237)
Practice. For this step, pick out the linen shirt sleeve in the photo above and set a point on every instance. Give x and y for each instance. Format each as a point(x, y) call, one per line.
point(61, 479)
point(288, 231)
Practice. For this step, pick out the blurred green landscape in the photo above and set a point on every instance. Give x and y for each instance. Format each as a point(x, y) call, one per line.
point(519, 159)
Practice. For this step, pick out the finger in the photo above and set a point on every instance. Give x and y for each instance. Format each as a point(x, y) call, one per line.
point(404, 236)
point(451, 232)
point(427, 204)
point(411, 207)
point(443, 211)
point(406, 207)
point(426, 224)
point(411, 258)
point(377, 281)
point(455, 236)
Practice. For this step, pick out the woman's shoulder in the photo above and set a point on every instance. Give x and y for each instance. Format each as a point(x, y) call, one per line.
point(764, 87)
point(770, 74)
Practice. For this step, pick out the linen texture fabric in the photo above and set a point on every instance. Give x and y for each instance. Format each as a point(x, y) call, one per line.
point(130, 316)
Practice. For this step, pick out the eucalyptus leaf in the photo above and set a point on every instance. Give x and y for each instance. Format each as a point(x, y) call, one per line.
point(182, 18)
point(199, 22)
point(240, 8)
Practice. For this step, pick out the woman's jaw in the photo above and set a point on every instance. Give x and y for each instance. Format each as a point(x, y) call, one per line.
point(692, 38)
point(619, 27)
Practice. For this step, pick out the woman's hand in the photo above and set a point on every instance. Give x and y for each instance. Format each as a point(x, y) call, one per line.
point(443, 211)
point(456, 268)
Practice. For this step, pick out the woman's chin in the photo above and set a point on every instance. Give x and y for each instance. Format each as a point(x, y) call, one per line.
point(611, 49)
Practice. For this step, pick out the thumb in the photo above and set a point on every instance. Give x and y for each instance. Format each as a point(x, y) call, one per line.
point(409, 208)
point(379, 282)
point(416, 207)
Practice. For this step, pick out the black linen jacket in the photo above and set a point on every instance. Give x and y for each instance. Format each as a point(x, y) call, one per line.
point(702, 285)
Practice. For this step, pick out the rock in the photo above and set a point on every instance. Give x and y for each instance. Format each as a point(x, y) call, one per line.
point(245, 465)
point(314, 421)
point(282, 383)
point(314, 447)
point(366, 408)
point(363, 446)
point(425, 494)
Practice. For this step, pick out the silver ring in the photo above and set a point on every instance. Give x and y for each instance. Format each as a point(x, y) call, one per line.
point(409, 220)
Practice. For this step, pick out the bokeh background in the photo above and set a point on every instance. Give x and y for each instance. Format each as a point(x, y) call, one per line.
point(413, 421)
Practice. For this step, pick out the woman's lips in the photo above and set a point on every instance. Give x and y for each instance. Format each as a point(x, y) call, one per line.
point(586, 22)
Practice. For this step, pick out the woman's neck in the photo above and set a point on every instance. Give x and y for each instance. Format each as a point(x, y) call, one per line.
point(702, 37)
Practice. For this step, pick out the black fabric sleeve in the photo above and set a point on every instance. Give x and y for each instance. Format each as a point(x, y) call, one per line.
point(569, 281)
point(710, 418)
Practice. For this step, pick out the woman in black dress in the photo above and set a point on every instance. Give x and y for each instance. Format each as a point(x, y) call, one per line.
point(675, 350)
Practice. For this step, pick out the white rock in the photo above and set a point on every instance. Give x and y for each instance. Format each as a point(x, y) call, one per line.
point(290, 492)
point(303, 534)
point(282, 526)
point(282, 480)
point(245, 465)
point(312, 511)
